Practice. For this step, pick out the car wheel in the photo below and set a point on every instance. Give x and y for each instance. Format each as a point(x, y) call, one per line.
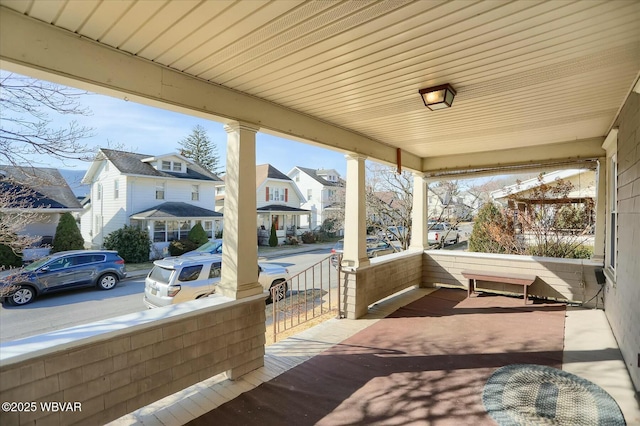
point(107, 282)
point(281, 291)
point(24, 295)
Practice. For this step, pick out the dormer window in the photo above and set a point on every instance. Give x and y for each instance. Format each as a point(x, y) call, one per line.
point(171, 166)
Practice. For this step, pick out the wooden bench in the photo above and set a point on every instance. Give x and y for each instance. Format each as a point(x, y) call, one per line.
point(498, 277)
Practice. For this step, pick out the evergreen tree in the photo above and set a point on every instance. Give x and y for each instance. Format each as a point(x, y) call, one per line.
point(68, 236)
point(273, 238)
point(198, 147)
point(198, 235)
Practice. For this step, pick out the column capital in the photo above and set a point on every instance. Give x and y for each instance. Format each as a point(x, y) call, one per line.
point(355, 156)
point(420, 175)
point(234, 126)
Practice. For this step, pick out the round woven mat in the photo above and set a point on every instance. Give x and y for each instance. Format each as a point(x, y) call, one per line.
point(527, 394)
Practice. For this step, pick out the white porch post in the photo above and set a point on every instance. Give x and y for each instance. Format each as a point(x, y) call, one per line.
point(355, 229)
point(240, 254)
point(601, 211)
point(419, 213)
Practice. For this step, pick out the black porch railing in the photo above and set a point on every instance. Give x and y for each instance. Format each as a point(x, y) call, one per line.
point(310, 294)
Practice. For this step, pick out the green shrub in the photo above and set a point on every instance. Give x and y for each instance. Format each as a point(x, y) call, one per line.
point(9, 259)
point(198, 235)
point(273, 238)
point(131, 243)
point(68, 236)
point(179, 247)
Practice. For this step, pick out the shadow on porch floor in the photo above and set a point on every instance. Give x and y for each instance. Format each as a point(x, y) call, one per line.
point(431, 364)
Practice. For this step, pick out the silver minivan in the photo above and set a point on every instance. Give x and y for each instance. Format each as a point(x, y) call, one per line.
point(178, 279)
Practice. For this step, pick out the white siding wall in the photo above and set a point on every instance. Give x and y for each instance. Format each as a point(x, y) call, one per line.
point(135, 194)
point(622, 298)
point(314, 204)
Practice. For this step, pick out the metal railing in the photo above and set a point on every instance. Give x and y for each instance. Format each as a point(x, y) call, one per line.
point(310, 294)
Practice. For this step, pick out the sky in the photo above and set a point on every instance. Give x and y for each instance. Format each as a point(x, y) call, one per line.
point(142, 129)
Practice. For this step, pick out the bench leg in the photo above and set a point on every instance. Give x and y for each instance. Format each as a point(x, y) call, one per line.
point(525, 294)
point(471, 287)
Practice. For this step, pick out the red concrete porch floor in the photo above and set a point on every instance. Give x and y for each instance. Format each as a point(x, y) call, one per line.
point(418, 377)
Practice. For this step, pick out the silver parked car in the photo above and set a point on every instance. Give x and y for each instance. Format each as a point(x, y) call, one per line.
point(178, 279)
point(65, 270)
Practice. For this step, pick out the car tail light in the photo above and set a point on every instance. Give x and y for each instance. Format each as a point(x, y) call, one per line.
point(120, 262)
point(333, 250)
point(172, 290)
point(437, 236)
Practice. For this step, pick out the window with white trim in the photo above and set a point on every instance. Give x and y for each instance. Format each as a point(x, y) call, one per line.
point(116, 189)
point(612, 228)
point(195, 192)
point(166, 165)
point(160, 187)
point(99, 189)
point(177, 166)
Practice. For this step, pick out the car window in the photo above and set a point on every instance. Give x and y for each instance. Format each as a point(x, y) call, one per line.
point(438, 227)
point(87, 258)
point(161, 275)
point(60, 263)
point(190, 273)
point(215, 271)
point(37, 264)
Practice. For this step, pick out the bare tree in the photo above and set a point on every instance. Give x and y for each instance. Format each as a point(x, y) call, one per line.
point(545, 221)
point(15, 216)
point(25, 126)
point(26, 132)
point(389, 200)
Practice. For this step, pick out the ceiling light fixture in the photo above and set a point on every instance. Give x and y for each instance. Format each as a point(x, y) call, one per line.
point(438, 97)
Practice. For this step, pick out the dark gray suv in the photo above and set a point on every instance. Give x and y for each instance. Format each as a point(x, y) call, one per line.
point(62, 271)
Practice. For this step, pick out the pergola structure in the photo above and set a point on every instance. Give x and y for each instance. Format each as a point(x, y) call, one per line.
point(539, 85)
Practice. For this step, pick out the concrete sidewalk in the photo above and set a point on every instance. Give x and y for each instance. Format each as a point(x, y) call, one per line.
point(264, 253)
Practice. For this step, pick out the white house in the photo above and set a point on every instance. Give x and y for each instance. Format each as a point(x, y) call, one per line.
point(323, 188)
point(278, 202)
point(583, 183)
point(165, 194)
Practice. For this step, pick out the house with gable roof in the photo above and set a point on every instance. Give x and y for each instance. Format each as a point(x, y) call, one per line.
point(278, 202)
point(41, 195)
point(322, 188)
point(165, 194)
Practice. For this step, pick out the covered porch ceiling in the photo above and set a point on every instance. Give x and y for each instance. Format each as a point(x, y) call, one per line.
point(537, 81)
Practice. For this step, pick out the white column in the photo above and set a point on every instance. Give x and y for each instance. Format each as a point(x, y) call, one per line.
point(240, 251)
point(355, 223)
point(419, 213)
point(601, 211)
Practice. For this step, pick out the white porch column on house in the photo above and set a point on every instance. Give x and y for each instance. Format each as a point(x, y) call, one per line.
point(419, 213)
point(240, 252)
point(601, 211)
point(355, 223)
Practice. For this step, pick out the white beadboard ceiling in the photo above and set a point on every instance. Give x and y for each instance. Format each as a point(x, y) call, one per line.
point(527, 73)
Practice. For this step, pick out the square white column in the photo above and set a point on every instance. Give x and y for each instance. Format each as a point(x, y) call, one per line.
point(419, 213)
point(239, 237)
point(355, 222)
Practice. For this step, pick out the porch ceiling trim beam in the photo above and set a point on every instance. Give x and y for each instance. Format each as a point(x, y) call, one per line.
point(40, 50)
point(567, 154)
